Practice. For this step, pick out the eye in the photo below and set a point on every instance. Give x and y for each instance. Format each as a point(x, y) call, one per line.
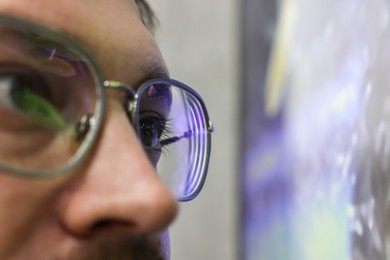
point(30, 95)
point(24, 87)
point(151, 129)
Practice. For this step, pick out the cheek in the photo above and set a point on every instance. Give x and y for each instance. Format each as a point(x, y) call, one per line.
point(22, 206)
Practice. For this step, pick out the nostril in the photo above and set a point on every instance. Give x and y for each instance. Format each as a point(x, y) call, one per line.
point(102, 224)
point(107, 225)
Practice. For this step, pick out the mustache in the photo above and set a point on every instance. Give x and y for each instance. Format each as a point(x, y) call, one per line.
point(111, 249)
point(141, 249)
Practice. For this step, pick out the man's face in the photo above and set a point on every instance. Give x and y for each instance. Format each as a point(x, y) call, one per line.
point(113, 206)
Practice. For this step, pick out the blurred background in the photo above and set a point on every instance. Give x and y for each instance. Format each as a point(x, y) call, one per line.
point(200, 43)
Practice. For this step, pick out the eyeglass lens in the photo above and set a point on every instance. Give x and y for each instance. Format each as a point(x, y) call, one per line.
point(172, 127)
point(45, 89)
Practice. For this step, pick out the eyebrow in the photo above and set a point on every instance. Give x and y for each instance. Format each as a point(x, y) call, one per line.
point(154, 70)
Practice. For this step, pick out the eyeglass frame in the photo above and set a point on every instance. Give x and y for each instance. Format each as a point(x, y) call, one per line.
point(96, 122)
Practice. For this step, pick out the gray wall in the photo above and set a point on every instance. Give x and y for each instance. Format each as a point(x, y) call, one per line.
point(199, 40)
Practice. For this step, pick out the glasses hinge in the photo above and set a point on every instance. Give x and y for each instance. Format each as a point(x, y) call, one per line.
point(210, 127)
point(83, 126)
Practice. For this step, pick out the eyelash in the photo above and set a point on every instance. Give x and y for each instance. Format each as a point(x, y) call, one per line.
point(161, 126)
point(166, 127)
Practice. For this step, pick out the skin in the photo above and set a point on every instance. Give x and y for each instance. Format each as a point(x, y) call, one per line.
point(114, 206)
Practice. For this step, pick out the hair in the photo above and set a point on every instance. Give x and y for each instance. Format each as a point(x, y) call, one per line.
point(148, 17)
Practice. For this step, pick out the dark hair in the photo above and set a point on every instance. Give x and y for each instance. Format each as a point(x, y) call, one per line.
point(147, 15)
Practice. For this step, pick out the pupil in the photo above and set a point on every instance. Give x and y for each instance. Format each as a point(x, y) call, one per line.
point(149, 136)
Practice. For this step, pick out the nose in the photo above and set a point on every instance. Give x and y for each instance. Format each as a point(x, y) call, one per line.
point(118, 190)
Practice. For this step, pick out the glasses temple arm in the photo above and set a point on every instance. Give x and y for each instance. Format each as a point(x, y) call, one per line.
point(186, 134)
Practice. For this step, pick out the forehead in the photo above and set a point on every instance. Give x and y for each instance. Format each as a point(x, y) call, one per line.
point(111, 30)
point(72, 16)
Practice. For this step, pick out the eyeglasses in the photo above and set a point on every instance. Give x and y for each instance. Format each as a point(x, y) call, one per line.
point(52, 101)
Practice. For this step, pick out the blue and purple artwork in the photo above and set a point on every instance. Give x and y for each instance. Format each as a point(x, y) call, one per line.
point(317, 178)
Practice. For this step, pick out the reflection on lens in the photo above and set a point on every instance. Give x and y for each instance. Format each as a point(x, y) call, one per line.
point(175, 118)
point(29, 94)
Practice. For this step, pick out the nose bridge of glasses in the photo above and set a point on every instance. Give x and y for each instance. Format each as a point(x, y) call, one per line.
point(110, 84)
point(129, 97)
